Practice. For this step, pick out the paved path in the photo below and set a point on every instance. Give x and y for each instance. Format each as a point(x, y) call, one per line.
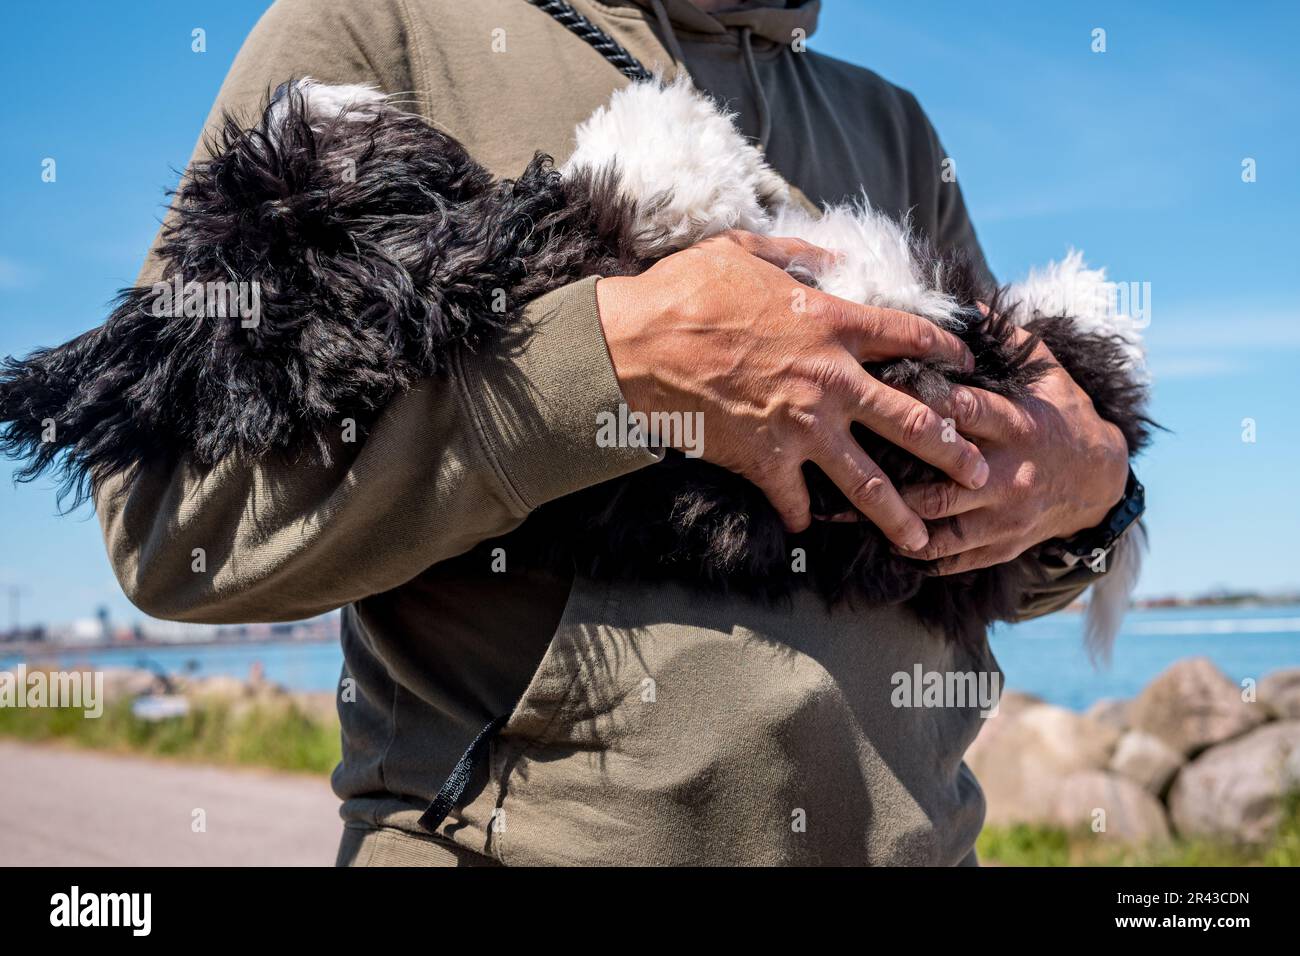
point(64, 807)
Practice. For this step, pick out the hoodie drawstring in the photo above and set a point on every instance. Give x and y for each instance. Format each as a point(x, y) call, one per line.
point(609, 48)
point(670, 35)
point(604, 44)
point(751, 67)
point(764, 112)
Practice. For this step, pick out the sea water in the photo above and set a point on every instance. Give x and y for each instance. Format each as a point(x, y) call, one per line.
point(1044, 657)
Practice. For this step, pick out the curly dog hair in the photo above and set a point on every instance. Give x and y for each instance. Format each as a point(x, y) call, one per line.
point(378, 247)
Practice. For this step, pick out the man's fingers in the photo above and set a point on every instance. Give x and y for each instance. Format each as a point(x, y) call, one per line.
point(878, 335)
point(1020, 336)
point(789, 496)
point(783, 251)
point(868, 490)
point(944, 499)
point(914, 426)
point(947, 540)
point(983, 414)
point(973, 560)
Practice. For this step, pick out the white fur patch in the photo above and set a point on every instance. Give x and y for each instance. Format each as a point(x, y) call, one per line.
point(1070, 288)
point(1109, 599)
point(875, 264)
point(684, 162)
point(328, 102)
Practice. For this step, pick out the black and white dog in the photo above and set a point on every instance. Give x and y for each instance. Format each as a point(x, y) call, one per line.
point(378, 246)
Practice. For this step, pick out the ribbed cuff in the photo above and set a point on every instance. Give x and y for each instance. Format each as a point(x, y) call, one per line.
point(1057, 584)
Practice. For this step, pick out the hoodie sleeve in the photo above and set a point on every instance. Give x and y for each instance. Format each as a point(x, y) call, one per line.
point(448, 464)
point(938, 202)
point(1058, 585)
point(456, 460)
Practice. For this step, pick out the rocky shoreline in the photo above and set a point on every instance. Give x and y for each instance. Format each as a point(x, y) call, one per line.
point(239, 694)
point(1194, 755)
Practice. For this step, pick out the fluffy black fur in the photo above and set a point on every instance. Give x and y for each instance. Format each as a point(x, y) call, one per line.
point(688, 520)
point(380, 247)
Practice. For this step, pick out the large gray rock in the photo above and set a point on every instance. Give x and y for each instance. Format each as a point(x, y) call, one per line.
point(1111, 711)
point(1193, 705)
point(1111, 806)
point(1279, 692)
point(1024, 754)
point(1011, 704)
point(1235, 790)
point(1146, 760)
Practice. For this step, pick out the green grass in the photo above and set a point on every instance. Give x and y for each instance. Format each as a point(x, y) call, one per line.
point(278, 734)
point(1025, 845)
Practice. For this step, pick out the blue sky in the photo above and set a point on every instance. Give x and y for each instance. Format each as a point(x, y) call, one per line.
point(1133, 155)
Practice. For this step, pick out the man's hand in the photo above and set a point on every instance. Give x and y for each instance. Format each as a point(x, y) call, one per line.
point(1057, 468)
point(776, 369)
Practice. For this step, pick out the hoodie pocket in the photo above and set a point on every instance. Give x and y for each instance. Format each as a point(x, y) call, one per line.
point(669, 726)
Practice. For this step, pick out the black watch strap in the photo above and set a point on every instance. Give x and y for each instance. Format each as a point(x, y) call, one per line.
point(1089, 544)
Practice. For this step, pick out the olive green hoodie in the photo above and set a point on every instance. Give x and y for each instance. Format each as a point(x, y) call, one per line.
point(646, 725)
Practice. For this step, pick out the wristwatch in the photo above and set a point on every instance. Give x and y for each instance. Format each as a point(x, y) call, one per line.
point(1094, 545)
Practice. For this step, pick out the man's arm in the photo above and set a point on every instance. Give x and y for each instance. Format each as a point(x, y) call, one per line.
point(455, 461)
point(452, 462)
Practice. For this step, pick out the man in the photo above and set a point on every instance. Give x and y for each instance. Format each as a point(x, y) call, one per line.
point(629, 724)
